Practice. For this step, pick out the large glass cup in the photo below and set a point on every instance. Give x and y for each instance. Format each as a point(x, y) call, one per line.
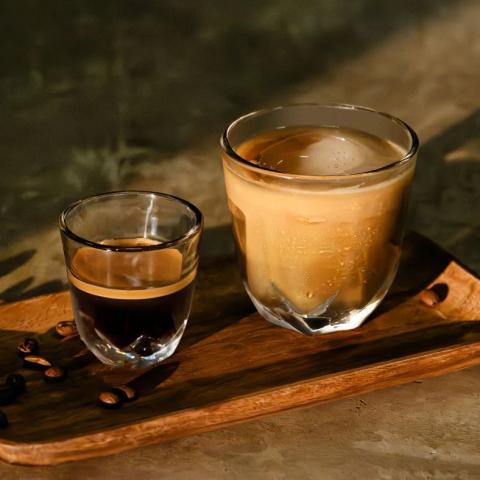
point(318, 252)
point(131, 263)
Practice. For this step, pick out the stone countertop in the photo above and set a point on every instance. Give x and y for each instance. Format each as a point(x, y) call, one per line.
point(78, 121)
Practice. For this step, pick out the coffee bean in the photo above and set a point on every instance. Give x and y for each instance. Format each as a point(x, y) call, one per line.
point(55, 374)
point(34, 362)
point(125, 392)
point(429, 298)
point(16, 381)
point(66, 328)
point(109, 400)
point(7, 394)
point(3, 420)
point(28, 347)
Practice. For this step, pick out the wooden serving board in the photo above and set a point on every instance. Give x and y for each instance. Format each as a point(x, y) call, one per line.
point(232, 365)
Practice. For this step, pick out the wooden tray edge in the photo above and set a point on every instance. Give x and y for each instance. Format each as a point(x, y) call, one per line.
point(241, 409)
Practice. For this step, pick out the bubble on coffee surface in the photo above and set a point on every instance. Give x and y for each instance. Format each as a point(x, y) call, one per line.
point(324, 151)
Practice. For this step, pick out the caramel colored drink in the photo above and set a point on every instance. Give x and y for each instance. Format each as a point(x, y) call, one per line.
point(317, 256)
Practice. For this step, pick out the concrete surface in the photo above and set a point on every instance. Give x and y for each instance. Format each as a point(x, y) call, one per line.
point(97, 98)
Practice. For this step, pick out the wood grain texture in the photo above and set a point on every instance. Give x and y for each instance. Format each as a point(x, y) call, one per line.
point(232, 365)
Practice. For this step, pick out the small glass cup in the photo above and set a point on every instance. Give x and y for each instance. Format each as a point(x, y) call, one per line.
point(131, 262)
point(318, 252)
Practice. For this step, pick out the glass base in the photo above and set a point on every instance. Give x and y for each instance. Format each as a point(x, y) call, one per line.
point(330, 321)
point(115, 357)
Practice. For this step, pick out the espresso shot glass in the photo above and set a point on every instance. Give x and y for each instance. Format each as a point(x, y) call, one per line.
point(131, 261)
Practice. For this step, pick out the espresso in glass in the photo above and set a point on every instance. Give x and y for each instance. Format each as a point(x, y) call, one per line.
point(132, 259)
point(138, 320)
point(318, 213)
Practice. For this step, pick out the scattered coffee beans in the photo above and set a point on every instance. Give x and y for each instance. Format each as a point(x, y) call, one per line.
point(16, 381)
point(3, 420)
point(109, 400)
point(7, 394)
point(34, 362)
point(125, 392)
point(28, 347)
point(66, 329)
point(55, 374)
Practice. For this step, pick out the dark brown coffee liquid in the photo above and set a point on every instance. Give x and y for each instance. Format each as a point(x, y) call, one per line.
point(111, 301)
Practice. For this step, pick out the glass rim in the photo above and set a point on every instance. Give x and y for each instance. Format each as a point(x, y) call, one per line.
point(198, 216)
point(232, 153)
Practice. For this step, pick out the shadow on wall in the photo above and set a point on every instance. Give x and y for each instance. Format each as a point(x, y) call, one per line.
point(446, 197)
point(89, 88)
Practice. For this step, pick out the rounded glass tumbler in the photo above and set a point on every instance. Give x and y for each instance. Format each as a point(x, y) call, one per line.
point(318, 252)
